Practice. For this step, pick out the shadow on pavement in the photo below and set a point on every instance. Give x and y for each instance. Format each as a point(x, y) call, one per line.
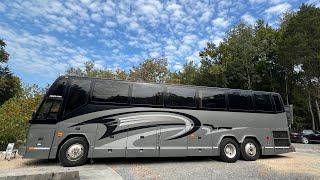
point(151, 160)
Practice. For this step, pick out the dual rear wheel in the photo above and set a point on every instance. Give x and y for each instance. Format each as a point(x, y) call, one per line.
point(230, 150)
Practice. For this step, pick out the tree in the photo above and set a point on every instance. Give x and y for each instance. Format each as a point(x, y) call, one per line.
point(90, 71)
point(300, 50)
point(150, 70)
point(9, 84)
point(189, 73)
point(212, 69)
point(15, 113)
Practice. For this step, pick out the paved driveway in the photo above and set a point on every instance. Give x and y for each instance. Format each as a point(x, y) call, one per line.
point(304, 164)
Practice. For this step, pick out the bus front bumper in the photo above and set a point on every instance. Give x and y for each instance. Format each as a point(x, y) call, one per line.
point(22, 151)
point(34, 152)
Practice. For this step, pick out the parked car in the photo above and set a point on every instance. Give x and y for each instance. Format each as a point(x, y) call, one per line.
point(305, 136)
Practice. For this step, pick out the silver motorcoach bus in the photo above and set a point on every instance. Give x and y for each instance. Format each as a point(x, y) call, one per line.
point(82, 118)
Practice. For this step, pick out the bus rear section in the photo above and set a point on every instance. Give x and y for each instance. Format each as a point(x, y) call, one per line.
point(82, 118)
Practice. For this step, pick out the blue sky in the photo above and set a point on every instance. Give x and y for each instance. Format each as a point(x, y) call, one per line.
point(44, 38)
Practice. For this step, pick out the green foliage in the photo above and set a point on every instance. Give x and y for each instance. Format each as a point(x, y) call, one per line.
point(151, 70)
point(90, 71)
point(9, 84)
point(15, 113)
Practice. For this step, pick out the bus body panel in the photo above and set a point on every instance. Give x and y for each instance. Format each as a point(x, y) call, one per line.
point(132, 131)
point(39, 140)
point(148, 138)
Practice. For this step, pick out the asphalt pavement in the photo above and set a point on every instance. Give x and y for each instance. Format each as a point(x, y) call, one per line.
point(303, 164)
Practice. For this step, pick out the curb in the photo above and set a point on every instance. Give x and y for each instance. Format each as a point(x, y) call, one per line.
point(72, 175)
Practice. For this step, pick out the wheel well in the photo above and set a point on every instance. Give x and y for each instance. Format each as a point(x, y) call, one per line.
point(231, 137)
point(67, 138)
point(255, 139)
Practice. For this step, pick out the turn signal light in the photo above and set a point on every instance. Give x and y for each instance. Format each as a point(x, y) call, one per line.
point(59, 133)
point(31, 149)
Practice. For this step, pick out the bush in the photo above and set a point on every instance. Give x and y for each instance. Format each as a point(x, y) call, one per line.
point(15, 113)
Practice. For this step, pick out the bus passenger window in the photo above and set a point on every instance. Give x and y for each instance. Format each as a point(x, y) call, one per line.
point(78, 95)
point(278, 103)
point(240, 101)
point(111, 92)
point(147, 94)
point(212, 99)
point(181, 97)
point(262, 102)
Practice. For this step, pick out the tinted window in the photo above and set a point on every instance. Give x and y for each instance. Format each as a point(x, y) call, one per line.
point(278, 103)
point(48, 110)
point(262, 102)
point(78, 94)
point(213, 99)
point(58, 87)
point(111, 92)
point(240, 101)
point(148, 94)
point(307, 131)
point(181, 97)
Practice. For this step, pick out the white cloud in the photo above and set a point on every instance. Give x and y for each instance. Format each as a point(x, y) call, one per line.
point(217, 40)
point(37, 54)
point(110, 24)
point(2, 7)
point(177, 67)
point(314, 2)
point(96, 17)
point(205, 17)
point(265, 1)
point(154, 54)
point(278, 9)
point(248, 18)
point(190, 39)
point(133, 25)
point(120, 33)
point(220, 22)
point(202, 44)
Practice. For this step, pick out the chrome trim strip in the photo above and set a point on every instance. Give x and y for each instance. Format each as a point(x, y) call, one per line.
point(177, 147)
point(40, 148)
point(195, 147)
point(279, 147)
point(284, 147)
point(101, 148)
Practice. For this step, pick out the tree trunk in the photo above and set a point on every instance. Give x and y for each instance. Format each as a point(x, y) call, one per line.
point(248, 78)
point(287, 95)
point(318, 112)
point(311, 111)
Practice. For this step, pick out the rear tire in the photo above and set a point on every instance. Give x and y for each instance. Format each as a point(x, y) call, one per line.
point(74, 152)
point(229, 150)
point(250, 150)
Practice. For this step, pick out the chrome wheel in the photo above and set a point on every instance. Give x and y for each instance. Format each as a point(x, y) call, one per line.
point(230, 150)
point(305, 140)
point(75, 152)
point(250, 149)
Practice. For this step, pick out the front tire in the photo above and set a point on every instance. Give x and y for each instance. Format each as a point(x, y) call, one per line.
point(250, 150)
point(229, 150)
point(305, 140)
point(74, 152)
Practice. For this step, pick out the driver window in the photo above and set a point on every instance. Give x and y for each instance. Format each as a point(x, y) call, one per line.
point(49, 110)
